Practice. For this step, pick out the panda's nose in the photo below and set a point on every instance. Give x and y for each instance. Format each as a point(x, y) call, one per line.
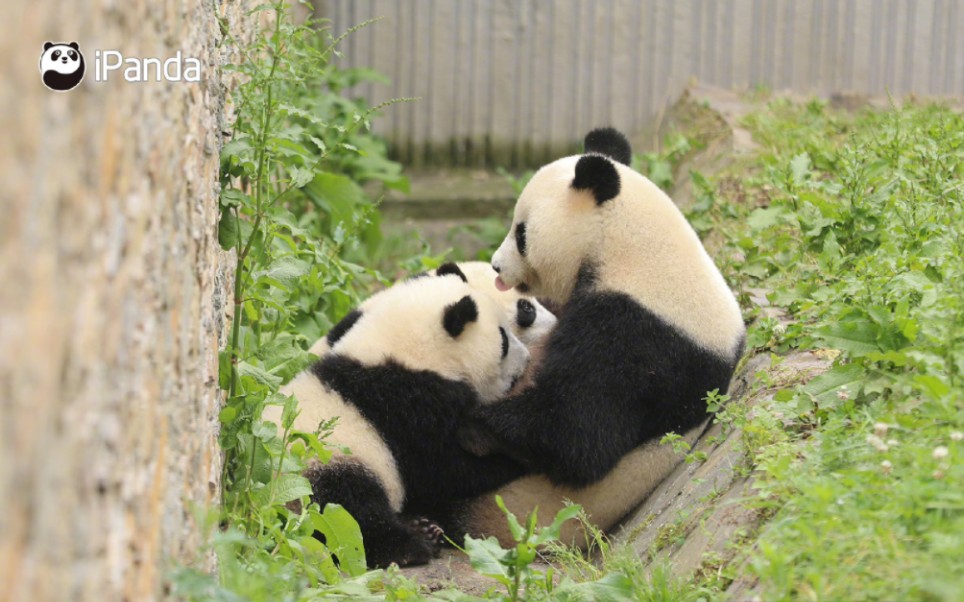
point(498, 269)
point(63, 60)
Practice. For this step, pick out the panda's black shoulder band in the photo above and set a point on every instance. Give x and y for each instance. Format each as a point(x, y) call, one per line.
point(598, 175)
point(609, 142)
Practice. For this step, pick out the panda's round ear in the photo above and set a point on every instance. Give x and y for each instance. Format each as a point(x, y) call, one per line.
point(48, 46)
point(450, 268)
point(609, 142)
point(74, 45)
point(598, 175)
point(338, 330)
point(457, 315)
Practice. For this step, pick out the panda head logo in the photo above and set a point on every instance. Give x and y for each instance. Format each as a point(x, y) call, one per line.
point(61, 66)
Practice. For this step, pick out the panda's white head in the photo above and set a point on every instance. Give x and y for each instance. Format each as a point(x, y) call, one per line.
point(557, 222)
point(440, 325)
point(530, 320)
point(61, 65)
point(594, 212)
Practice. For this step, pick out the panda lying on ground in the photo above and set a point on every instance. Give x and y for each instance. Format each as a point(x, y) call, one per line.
point(648, 327)
point(401, 372)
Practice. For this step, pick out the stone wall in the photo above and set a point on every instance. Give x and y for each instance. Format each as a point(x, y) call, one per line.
point(112, 304)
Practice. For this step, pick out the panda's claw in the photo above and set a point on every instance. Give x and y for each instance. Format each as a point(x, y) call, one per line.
point(429, 530)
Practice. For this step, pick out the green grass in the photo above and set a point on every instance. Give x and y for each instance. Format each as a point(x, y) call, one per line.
point(855, 224)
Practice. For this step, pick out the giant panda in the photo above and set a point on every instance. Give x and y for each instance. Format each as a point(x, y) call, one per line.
point(401, 372)
point(648, 327)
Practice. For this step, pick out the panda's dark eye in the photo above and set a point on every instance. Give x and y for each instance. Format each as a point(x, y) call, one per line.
point(520, 238)
point(72, 55)
point(55, 55)
point(505, 342)
point(526, 315)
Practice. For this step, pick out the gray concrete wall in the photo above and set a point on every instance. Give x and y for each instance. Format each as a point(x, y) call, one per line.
point(510, 82)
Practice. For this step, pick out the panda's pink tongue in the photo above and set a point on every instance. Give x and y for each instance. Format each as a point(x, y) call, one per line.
point(499, 284)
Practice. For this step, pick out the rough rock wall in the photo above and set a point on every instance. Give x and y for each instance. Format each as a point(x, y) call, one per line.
point(112, 301)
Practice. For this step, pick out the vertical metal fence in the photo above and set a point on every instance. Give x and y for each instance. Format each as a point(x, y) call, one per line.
point(516, 82)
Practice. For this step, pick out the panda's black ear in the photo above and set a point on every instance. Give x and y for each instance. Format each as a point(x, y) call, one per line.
point(450, 268)
point(74, 45)
point(609, 142)
point(47, 46)
point(338, 330)
point(459, 314)
point(598, 175)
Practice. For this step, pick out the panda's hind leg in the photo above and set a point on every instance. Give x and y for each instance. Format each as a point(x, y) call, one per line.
point(388, 538)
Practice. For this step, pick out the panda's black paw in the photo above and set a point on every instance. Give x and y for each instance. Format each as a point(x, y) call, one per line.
point(430, 531)
point(476, 439)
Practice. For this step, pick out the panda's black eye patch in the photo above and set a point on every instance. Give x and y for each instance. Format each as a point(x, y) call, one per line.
point(55, 55)
point(520, 238)
point(505, 342)
point(526, 314)
point(72, 55)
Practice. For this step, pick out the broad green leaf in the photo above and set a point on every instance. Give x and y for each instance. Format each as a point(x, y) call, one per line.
point(232, 197)
point(762, 219)
point(289, 487)
point(337, 195)
point(784, 395)
point(827, 387)
point(300, 176)
point(259, 375)
point(488, 558)
point(855, 336)
point(343, 537)
point(800, 168)
point(934, 386)
point(228, 235)
point(228, 415)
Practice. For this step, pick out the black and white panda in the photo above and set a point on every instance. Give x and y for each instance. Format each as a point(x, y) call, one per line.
point(648, 326)
point(61, 66)
point(401, 373)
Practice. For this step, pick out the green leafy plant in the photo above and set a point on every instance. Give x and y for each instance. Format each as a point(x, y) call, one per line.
point(295, 214)
point(851, 223)
point(513, 567)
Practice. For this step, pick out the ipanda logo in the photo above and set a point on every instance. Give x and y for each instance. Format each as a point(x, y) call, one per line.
point(62, 67)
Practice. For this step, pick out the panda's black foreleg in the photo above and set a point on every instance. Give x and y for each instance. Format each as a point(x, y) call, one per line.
point(388, 538)
point(504, 428)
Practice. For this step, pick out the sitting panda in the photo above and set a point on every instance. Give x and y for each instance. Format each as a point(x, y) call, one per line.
point(648, 327)
point(401, 373)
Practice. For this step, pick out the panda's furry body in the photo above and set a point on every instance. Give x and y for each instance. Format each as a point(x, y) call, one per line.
point(648, 326)
point(401, 373)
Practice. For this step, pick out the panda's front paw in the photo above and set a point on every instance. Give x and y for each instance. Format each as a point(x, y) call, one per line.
point(476, 439)
point(430, 531)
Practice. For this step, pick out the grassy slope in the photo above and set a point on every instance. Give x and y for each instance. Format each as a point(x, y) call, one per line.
point(855, 224)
